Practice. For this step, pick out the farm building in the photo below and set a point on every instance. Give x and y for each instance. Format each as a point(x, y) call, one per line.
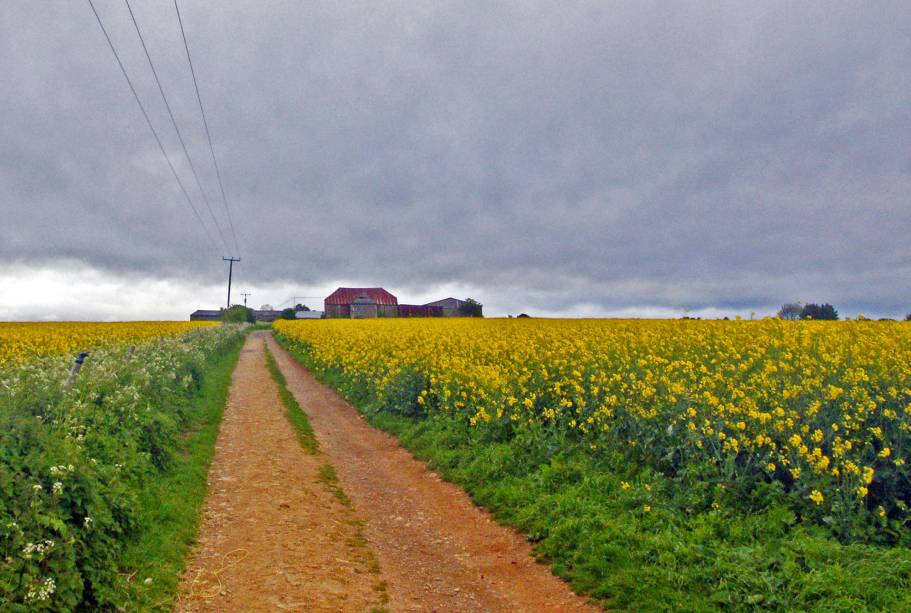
point(420, 310)
point(205, 315)
point(361, 302)
point(452, 307)
point(366, 302)
point(267, 315)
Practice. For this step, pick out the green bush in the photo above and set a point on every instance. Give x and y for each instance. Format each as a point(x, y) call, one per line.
point(819, 312)
point(471, 308)
point(239, 314)
point(402, 394)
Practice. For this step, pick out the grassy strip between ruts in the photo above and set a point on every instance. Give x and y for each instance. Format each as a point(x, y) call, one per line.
point(651, 553)
point(172, 503)
point(293, 411)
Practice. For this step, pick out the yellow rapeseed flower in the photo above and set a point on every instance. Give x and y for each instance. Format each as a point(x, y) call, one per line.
point(812, 400)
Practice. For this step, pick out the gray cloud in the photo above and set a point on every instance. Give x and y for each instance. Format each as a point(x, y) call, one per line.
point(543, 154)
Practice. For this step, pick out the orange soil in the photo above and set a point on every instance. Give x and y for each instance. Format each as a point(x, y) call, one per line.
point(273, 538)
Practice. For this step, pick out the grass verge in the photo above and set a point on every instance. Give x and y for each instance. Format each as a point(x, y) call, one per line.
point(634, 540)
point(153, 563)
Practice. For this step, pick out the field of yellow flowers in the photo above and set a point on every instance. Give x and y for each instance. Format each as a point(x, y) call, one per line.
point(21, 341)
point(700, 416)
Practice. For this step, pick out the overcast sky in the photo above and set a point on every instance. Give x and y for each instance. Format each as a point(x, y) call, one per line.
point(574, 158)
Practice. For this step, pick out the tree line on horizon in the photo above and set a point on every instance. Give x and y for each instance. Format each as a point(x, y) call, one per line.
point(794, 311)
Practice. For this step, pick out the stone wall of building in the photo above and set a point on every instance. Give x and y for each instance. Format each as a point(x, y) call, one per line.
point(364, 311)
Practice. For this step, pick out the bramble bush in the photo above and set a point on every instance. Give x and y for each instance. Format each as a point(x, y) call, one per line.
point(73, 462)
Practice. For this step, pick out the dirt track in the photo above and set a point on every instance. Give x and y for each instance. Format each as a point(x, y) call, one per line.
point(273, 537)
point(305, 550)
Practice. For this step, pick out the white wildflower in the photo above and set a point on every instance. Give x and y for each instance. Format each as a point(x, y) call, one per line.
point(42, 592)
point(61, 469)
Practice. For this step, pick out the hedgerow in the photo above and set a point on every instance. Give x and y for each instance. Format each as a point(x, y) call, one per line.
point(75, 461)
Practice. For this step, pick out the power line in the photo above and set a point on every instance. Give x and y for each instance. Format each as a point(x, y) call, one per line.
point(145, 114)
point(294, 298)
point(205, 124)
point(174, 123)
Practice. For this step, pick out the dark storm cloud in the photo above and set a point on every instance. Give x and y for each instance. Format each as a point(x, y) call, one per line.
point(655, 154)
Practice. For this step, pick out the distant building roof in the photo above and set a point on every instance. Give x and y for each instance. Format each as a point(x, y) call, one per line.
point(449, 303)
point(347, 295)
point(266, 315)
point(205, 315)
point(364, 299)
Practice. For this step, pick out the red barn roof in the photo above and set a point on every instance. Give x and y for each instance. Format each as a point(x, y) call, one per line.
point(347, 295)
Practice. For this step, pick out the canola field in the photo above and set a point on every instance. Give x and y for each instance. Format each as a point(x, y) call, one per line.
point(817, 413)
point(22, 341)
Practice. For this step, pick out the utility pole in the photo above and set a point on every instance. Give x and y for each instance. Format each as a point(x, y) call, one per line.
point(245, 294)
point(230, 274)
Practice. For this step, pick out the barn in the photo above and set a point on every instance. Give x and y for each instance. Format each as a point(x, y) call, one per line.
point(451, 307)
point(267, 315)
point(419, 310)
point(361, 302)
point(205, 315)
